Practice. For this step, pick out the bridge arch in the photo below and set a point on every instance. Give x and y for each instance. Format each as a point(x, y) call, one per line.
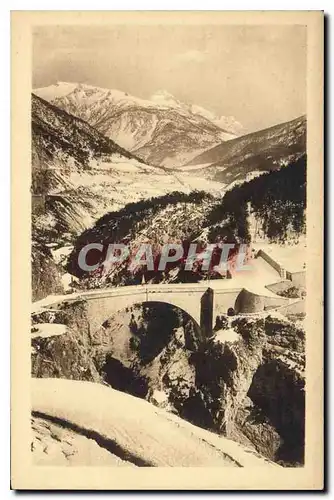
point(97, 315)
point(170, 304)
point(162, 322)
point(100, 307)
point(151, 304)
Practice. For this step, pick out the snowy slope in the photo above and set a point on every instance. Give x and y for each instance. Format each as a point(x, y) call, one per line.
point(262, 151)
point(53, 444)
point(132, 429)
point(161, 130)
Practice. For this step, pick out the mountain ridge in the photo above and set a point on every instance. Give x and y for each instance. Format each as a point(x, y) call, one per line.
point(265, 150)
point(163, 131)
point(253, 134)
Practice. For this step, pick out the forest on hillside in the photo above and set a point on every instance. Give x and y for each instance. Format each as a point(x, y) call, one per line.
point(277, 199)
point(124, 224)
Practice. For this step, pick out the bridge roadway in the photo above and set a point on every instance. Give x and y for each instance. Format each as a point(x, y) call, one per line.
point(203, 301)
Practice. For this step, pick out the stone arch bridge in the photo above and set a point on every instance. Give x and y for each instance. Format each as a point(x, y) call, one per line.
point(202, 303)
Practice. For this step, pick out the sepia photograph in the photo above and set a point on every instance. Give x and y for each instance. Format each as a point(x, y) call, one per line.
point(170, 169)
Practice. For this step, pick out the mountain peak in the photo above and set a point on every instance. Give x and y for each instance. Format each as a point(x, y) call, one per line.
point(162, 93)
point(59, 89)
point(163, 97)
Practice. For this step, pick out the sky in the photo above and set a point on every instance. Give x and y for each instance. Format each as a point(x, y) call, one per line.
point(255, 73)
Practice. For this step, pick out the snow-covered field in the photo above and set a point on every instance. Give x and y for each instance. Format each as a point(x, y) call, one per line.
point(190, 168)
point(202, 184)
point(134, 430)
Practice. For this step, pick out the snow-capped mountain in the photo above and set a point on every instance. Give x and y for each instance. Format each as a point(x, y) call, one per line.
point(226, 123)
point(161, 130)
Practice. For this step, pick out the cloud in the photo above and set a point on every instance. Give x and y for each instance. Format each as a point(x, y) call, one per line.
point(192, 56)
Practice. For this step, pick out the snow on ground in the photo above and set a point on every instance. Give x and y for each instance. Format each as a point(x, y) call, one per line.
point(56, 445)
point(89, 178)
point(134, 429)
point(202, 184)
point(228, 335)
point(159, 398)
point(94, 193)
point(40, 305)
point(254, 279)
point(46, 330)
point(291, 256)
point(118, 158)
point(188, 168)
point(60, 254)
point(123, 182)
point(67, 280)
point(121, 166)
point(47, 220)
point(60, 89)
point(123, 134)
point(249, 177)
